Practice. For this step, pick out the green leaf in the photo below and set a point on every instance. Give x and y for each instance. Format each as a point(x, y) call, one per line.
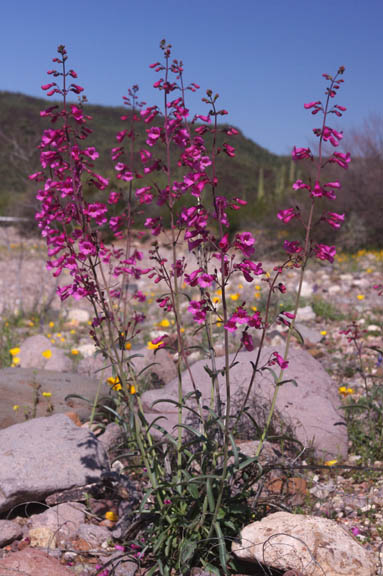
point(221, 547)
point(210, 497)
point(70, 396)
point(188, 547)
point(193, 490)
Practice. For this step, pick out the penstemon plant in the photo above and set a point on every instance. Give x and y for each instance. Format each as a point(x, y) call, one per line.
point(198, 483)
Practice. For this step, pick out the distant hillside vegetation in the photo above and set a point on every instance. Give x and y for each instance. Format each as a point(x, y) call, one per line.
point(254, 174)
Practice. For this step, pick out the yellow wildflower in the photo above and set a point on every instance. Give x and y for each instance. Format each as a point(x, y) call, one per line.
point(218, 324)
point(234, 297)
point(360, 296)
point(152, 346)
point(58, 335)
point(47, 354)
point(369, 270)
point(128, 345)
point(132, 389)
point(257, 287)
point(114, 382)
point(74, 351)
point(257, 295)
point(240, 286)
point(47, 394)
point(182, 330)
point(112, 516)
point(62, 339)
point(51, 324)
point(216, 300)
point(254, 308)
point(323, 332)
point(14, 351)
point(49, 335)
point(15, 360)
point(15, 407)
point(30, 323)
point(330, 462)
point(72, 331)
point(344, 391)
point(53, 341)
point(218, 292)
point(164, 323)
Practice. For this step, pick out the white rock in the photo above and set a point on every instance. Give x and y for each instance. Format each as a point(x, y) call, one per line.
point(334, 289)
point(311, 545)
point(305, 314)
point(306, 290)
point(78, 316)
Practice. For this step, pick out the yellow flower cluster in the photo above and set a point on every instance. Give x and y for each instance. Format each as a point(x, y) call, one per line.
point(344, 391)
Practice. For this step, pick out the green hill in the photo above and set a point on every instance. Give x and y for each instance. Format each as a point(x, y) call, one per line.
point(253, 174)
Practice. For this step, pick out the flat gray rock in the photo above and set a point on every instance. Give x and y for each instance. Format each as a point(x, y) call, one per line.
point(311, 409)
point(18, 387)
point(45, 455)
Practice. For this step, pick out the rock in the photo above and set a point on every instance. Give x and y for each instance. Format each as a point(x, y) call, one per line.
point(32, 562)
point(334, 289)
point(312, 408)
point(42, 537)
point(96, 536)
point(269, 453)
point(78, 316)
point(112, 437)
point(55, 524)
point(161, 371)
point(18, 387)
point(32, 466)
point(31, 355)
point(312, 545)
point(305, 314)
point(9, 531)
point(306, 290)
point(309, 335)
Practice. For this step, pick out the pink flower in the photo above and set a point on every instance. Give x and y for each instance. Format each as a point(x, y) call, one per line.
point(324, 252)
point(302, 154)
point(247, 341)
point(278, 359)
point(144, 195)
point(205, 280)
point(287, 215)
point(334, 219)
point(341, 159)
point(114, 197)
point(293, 247)
point(245, 242)
point(230, 151)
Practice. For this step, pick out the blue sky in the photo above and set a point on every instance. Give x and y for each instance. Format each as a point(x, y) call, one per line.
point(264, 57)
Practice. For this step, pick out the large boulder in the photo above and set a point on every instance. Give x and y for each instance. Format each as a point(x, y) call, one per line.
point(310, 407)
point(31, 354)
point(46, 455)
point(309, 545)
point(32, 562)
point(19, 388)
